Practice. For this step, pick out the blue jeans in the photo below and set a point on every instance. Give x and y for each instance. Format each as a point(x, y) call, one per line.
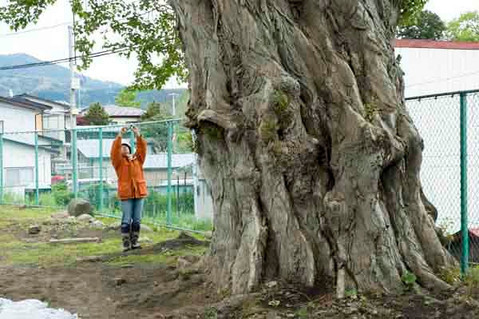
point(131, 218)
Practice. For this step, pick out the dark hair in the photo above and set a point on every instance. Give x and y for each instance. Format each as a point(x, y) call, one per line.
point(129, 147)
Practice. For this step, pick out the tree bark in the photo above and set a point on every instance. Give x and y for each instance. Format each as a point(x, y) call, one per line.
point(304, 138)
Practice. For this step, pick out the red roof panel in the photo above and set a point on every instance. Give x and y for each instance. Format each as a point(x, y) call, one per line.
point(432, 44)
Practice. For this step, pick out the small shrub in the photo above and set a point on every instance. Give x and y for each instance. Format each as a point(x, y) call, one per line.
point(370, 110)
point(281, 102)
point(302, 313)
point(211, 313)
point(351, 293)
point(409, 279)
point(268, 130)
point(61, 194)
point(13, 198)
point(451, 275)
point(47, 199)
point(472, 278)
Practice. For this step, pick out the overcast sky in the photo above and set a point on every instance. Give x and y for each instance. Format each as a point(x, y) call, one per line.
point(48, 39)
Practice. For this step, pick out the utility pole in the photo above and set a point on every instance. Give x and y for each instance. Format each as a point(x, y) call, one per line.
point(74, 85)
point(173, 113)
point(173, 110)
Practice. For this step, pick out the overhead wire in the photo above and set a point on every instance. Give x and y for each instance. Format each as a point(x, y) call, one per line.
point(59, 61)
point(34, 30)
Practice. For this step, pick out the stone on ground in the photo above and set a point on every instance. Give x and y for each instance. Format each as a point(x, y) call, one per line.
point(60, 215)
point(79, 207)
point(85, 218)
point(34, 229)
point(97, 224)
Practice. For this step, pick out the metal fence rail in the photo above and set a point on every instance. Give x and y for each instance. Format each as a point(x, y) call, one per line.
point(50, 167)
point(449, 125)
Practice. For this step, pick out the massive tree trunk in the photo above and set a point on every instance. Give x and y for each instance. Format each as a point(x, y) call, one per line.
point(304, 137)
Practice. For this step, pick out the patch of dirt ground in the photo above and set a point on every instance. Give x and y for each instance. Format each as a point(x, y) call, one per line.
point(166, 279)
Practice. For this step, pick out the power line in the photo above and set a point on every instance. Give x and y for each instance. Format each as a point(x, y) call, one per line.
point(34, 30)
point(444, 79)
point(58, 61)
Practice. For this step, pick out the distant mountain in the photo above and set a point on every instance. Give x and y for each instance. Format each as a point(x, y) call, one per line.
point(53, 82)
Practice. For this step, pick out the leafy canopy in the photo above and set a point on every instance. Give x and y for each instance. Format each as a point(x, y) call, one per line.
point(426, 25)
point(156, 134)
point(127, 98)
point(409, 10)
point(465, 28)
point(143, 28)
point(96, 115)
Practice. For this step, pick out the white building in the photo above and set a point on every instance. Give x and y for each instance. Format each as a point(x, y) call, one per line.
point(55, 118)
point(433, 67)
point(20, 115)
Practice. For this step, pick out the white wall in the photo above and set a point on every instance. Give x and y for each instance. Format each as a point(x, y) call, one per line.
point(18, 156)
point(17, 119)
point(204, 201)
point(431, 71)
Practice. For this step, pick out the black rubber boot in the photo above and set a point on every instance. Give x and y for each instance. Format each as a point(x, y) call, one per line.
point(134, 240)
point(126, 241)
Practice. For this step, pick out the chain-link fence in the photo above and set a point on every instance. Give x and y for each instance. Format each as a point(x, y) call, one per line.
point(51, 167)
point(449, 125)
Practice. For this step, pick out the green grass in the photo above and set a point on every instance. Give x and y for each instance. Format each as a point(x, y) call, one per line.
point(11, 216)
point(185, 221)
point(46, 255)
point(13, 213)
point(168, 257)
point(16, 251)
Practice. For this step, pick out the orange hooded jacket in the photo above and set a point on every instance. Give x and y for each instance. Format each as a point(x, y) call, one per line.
point(131, 181)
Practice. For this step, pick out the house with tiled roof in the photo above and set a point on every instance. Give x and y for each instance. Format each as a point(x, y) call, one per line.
point(121, 115)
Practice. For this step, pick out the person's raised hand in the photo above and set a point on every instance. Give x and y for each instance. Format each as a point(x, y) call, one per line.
point(136, 131)
point(123, 130)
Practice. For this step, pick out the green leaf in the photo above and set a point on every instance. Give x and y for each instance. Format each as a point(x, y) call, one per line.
point(144, 28)
point(127, 98)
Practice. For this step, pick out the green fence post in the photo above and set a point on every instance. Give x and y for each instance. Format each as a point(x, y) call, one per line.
point(177, 194)
point(170, 171)
point(100, 175)
point(1, 166)
point(37, 184)
point(74, 155)
point(464, 223)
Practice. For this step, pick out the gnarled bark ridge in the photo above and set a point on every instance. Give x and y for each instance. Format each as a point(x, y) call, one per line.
point(303, 135)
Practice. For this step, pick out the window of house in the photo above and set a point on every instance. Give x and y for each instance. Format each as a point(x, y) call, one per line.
point(52, 122)
point(19, 176)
